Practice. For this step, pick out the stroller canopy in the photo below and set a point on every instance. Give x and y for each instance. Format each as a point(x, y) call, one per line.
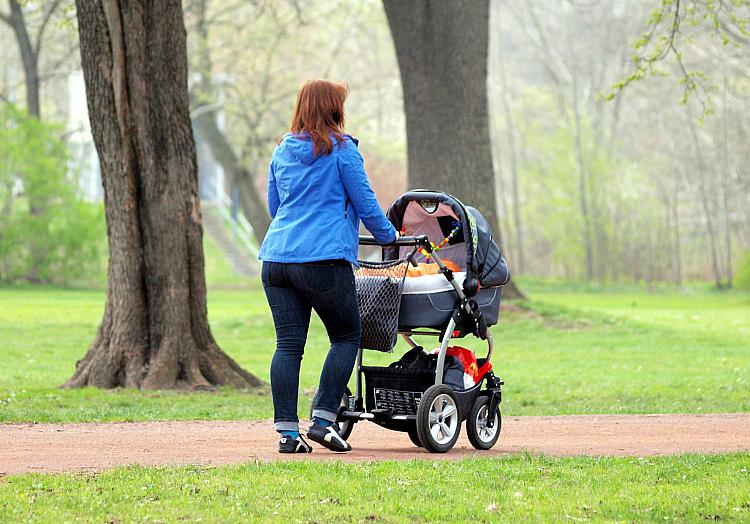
point(465, 234)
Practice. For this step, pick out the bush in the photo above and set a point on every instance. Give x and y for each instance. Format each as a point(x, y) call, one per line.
point(742, 275)
point(47, 234)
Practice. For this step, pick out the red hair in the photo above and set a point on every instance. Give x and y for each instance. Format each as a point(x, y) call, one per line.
point(319, 111)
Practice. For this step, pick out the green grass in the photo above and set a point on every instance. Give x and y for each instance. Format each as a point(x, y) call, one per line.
point(218, 269)
point(567, 352)
point(520, 488)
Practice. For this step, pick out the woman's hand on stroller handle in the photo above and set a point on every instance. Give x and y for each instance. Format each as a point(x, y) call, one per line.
point(420, 240)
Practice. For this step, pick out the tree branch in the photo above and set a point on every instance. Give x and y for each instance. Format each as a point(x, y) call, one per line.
point(43, 26)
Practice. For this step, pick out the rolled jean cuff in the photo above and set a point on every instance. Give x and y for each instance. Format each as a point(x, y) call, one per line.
point(325, 414)
point(286, 425)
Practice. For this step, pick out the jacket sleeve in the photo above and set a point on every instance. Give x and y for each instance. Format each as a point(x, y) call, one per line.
point(273, 193)
point(361, 195)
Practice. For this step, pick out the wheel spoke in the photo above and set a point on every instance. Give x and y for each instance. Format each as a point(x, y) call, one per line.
point(435, 431)
point(448, 411)
point(433, 417)
point(446, 430)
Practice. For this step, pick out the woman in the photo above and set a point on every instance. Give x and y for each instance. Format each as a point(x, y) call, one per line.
point(317, 193)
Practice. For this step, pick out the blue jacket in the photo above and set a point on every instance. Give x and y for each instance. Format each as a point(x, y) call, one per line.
point(316, 203)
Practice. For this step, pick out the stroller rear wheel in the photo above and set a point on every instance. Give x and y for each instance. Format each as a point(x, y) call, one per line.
point(438, 419)
point(345, 427)
point(480, 434)
point(414, 437)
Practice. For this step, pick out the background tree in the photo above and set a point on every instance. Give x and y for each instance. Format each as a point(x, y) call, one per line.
point(442, 55)
point(30, 46)
point(155, 332)
point(245, 78)
point(62, 241)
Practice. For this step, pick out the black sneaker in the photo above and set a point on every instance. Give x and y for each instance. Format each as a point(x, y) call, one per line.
point(294, 445)
point(328, 437)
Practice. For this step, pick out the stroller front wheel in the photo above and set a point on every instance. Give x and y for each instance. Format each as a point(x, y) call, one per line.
point(481, 435)
point(438, 419)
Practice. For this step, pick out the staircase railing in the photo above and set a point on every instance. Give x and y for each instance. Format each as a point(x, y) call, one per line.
point(241, 228)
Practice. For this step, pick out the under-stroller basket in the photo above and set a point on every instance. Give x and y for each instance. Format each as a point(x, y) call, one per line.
point(397, 389)
point(379, 286)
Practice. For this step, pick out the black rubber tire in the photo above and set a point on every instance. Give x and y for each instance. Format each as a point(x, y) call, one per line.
point(423, 419)
point(345, 428)
point(414, 437)
point(472, 429)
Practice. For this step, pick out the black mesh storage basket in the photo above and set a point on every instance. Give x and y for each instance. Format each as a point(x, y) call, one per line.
point(399, 389)
point(379, 286)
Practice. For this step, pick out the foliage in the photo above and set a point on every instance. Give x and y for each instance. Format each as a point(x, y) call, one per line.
point(252, 72)
point(642, 353)
point(526, 488)
point(45, 230)
point(742, 275)
point(621, 198)
point(674, 23)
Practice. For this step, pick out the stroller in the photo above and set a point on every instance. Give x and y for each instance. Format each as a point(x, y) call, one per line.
point(447, 289)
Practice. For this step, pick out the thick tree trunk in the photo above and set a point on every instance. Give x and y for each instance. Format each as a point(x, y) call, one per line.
point(442, 49)
point(442, 54)
point(155, 332)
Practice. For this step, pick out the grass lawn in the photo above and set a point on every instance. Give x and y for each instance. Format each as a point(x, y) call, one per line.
point(519, 488)
point(563, 351)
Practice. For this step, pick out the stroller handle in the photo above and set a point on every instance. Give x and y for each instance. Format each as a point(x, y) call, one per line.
point(420, 240)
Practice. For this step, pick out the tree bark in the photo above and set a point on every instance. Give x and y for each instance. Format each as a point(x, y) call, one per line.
point(154, 333)
point(442, 55)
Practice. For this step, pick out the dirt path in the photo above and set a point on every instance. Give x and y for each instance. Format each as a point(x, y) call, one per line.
point(93, 447)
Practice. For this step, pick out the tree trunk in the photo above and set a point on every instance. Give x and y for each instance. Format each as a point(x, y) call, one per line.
point(442, 55)
point(677, 242)
point(255, 210)
point(155, 332)
point(512, 153)
point(703, 192)
point(725, 177)
point(582, 177)
point(205, 121)
point(28, 57)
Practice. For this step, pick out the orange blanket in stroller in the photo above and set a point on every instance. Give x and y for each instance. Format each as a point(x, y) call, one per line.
point(421, 270)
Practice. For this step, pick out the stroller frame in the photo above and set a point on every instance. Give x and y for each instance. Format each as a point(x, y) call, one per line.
point(469, 404)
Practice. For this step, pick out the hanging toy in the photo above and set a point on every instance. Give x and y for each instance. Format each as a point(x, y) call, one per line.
point(439, 246)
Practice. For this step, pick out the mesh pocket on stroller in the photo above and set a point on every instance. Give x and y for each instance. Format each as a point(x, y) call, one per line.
point(379, 286)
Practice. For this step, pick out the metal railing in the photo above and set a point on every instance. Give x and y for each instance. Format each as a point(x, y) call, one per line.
point(241, 228)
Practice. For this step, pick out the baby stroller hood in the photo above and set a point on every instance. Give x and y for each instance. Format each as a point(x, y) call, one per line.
point(484, 259)
point(492, 268)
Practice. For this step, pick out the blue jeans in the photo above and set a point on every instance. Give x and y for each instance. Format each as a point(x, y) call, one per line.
point(293, 291)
